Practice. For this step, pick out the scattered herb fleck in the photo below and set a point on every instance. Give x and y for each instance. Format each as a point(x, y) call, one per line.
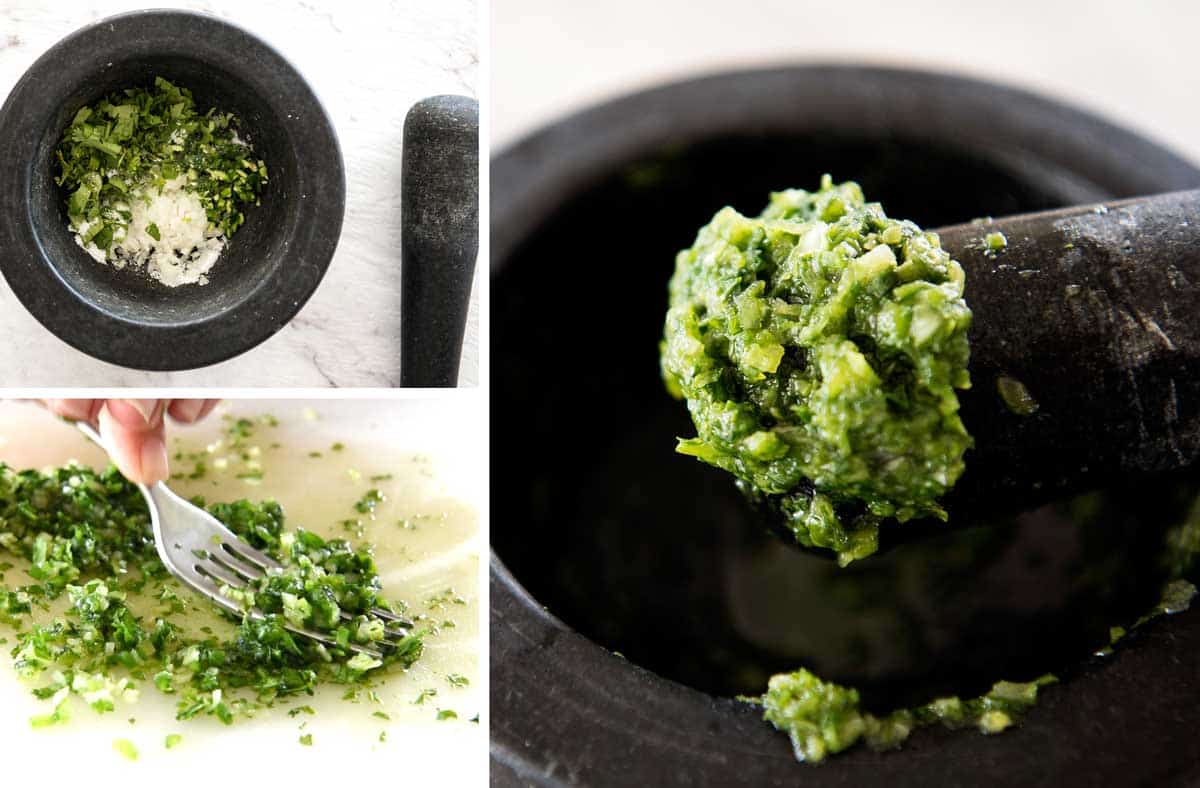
point(1016, 397)
point(125, 747)
point(994, 243)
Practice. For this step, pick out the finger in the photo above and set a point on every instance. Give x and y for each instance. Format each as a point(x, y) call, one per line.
point(75, 409)
point(136, 445)
point(187, 411)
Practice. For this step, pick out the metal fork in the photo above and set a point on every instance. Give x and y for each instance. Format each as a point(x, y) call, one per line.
point(204, 555)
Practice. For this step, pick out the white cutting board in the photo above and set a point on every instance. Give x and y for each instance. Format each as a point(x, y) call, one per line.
point(434, 453)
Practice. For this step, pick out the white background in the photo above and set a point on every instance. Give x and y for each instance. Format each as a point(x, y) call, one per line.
point(368, 61)
point(1137, 63)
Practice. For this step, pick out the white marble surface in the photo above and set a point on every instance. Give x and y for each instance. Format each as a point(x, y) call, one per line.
point(368, 61)
point(1137, 63)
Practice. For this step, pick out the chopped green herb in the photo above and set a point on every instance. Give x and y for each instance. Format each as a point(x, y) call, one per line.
point(424, 695)
point(382, 736)
point(446, 714)
point(381, 715)
point(141, 138)
point(172, 740)
point(306, 740)
point(457, 680)
point(85, 532)
point(301, 710)
point(337, 447)
point(152, 231)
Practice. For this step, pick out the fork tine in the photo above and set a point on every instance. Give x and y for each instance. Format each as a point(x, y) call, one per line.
point(219, 573)
point(232, 556)
point(396, 621)
point(248, 554)
point(329, 641)
point(227, 563)
point(388, 615)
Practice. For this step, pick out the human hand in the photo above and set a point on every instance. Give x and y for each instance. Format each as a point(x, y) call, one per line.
point(133, 429)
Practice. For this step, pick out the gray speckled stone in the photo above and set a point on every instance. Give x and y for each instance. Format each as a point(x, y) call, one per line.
point(273, 263)
point(440, 206)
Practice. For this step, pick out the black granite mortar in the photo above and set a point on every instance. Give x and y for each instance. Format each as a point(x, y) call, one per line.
point(605, 539)
point(272, 264)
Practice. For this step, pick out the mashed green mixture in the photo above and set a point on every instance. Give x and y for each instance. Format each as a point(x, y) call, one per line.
point(819, 347)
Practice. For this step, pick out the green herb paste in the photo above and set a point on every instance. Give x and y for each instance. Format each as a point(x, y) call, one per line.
point(819, 347)
point(86, 536)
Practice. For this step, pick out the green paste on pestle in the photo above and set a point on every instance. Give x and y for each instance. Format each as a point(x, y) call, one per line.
point(819, 347)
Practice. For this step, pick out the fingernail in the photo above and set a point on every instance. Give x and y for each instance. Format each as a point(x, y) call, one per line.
point(187, 410)
point(145, 407)
point(154, 460)
point(136, 414)
point(74, 409)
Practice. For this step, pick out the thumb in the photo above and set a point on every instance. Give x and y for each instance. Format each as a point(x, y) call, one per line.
point(133, 432)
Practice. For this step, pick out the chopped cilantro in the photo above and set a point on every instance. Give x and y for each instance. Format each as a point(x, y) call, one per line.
point(446, 714)
point(457, 680)
point(172, 740)
point(306, 740)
